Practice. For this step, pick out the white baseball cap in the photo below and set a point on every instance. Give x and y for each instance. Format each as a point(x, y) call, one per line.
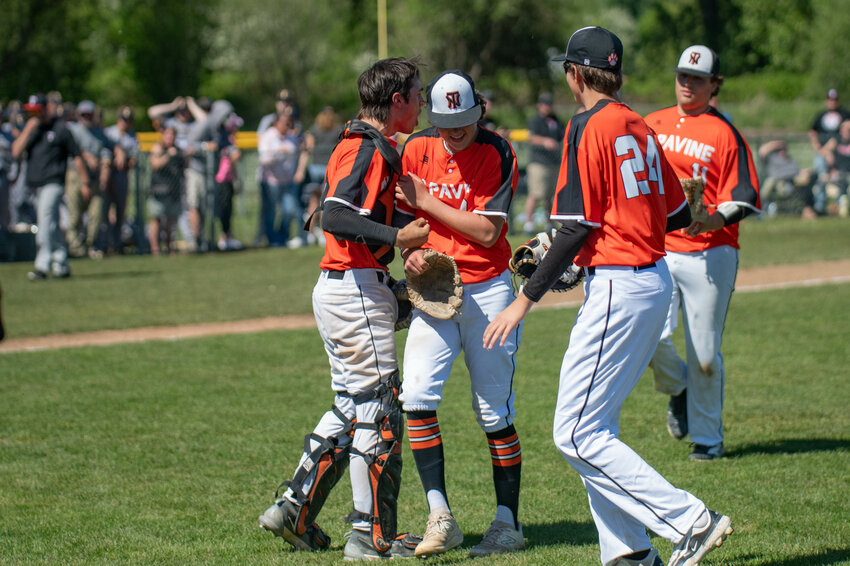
point(452, 102)
point(698, 60)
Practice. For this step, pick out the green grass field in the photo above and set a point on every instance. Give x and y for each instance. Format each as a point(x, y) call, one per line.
point(166, 452)
point(134, 291)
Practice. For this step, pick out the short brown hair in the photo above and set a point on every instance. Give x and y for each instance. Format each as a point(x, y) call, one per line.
point(379, 82)
point(600, 80)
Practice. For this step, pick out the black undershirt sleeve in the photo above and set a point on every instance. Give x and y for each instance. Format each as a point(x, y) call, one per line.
point(345, 224)
point(681, 219)
point(736, 217)
point(566, 245)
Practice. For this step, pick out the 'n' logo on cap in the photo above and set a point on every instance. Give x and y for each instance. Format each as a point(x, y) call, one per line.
point(453, 98)
point(695, 55)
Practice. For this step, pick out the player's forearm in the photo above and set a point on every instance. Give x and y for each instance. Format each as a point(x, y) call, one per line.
point(345, 224)
point(681, 219)
point(566, 245)
point(481, 229)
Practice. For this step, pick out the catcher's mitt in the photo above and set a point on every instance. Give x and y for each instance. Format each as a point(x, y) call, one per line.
point(438, 290)
point(527, 257)
point(402, 297)
point(694, 188)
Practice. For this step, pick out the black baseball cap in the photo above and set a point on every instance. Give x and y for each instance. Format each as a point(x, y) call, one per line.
point(594, 46)
point(125, 113)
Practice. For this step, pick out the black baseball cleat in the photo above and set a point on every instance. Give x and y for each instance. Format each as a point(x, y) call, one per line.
point(36, 275)
point(677, 415)
point(280, 519)
point(703, 453)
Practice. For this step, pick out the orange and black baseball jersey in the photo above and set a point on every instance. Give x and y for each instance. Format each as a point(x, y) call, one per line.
point(615, 178)
point(708, 146)
point(482, 178)
point(359, 177)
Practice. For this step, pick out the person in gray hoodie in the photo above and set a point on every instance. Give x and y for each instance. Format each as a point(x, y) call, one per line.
point(201, 148)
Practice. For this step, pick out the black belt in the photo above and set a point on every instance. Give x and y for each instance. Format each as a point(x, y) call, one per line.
point(340, 274)
point(592, 270)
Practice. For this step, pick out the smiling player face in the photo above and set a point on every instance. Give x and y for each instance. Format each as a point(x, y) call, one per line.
point(458, 139)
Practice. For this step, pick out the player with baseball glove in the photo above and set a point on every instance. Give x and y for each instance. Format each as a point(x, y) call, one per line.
point(527, 258)
point(616, 199)
point(722, 188)
point(462, 180)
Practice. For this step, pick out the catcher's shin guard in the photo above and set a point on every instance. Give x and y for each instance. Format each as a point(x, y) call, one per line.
point(320, 472)
point(384, 465)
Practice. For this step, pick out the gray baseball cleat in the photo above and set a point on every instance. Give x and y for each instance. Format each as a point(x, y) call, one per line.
point(280, 519)
point(703, 453)
point(499, 538)
point(360, 547)
point(695, 545)
point(677, 415)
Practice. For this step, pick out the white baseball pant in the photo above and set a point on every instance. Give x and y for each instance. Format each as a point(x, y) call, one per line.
point(702, 286)
point(610, 346)
point(433, 345)
point(355, 314)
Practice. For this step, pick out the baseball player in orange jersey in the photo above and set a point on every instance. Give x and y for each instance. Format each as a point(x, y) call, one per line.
point(355, 315)
point(462, 179)
point(616, 198)
point(703, 259)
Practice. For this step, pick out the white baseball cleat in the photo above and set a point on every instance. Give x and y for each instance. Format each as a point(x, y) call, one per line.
point(441, 535)
point(695, 545)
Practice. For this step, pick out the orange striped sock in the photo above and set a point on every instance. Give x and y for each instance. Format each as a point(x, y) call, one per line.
point(506, 457)
point(426, 442)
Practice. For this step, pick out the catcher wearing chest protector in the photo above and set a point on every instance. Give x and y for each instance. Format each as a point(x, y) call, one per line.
point(355, 315)
point(461, 179)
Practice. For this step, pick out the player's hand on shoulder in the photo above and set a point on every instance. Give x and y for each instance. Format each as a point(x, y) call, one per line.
point(414, 234)
point(415, 263)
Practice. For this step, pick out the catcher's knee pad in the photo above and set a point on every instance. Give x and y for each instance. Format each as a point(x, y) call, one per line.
point(319, 472)
point(384, 463)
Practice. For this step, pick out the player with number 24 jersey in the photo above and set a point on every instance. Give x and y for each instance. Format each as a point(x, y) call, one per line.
point(627, 192)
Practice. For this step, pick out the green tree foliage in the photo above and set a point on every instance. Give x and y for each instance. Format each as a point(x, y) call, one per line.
point(41, 47)
point(143, 52)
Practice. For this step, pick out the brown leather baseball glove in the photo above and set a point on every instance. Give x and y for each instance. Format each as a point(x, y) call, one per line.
point(439, 290)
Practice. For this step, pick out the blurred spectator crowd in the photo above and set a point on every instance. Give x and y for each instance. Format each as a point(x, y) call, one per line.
point(188, 178)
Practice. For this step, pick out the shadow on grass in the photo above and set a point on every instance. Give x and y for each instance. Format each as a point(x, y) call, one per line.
point(115, 274)
point(791, 446)
point(821, 559)
point(549, 534)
